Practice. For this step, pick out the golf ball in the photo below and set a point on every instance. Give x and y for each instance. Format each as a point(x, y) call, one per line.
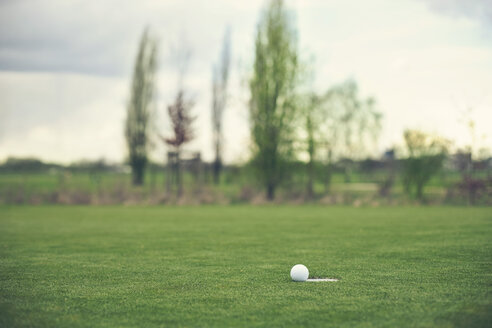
point(299, 272)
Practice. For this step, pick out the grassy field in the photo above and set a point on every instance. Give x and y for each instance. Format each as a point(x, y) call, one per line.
point(115, 188)
point(229, 266)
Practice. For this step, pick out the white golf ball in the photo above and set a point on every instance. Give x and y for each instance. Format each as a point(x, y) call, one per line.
point(299, 272)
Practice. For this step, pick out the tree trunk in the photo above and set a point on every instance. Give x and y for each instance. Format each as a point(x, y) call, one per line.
point(168, 173)
point(178, 174)
point(346, 173)
point(420, 191)
point(310, 149)
point(217, 168)
point(271, 191)
point(152, 178)
point(329, 171)
point(328, 179)
point(310, 168)
point(138, 173)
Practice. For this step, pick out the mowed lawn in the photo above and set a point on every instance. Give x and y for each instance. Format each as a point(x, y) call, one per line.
point(229, 266)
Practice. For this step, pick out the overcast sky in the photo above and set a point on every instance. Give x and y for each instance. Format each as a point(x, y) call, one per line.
point(65, 67)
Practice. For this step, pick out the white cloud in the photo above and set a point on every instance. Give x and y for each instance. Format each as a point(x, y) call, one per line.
point(66, 67)
point(61, 117)
point(474, 9)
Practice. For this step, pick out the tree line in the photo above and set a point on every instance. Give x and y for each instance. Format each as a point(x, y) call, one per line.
point(287, 120)
point(276, 106)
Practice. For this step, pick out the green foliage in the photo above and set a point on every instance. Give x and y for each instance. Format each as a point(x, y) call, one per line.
point(273, 86)
point(139, 110)
point(426, 154)
point(339, 124)
point(229, 266)
point(351, 124)
point(17, 165)
point(310, 109)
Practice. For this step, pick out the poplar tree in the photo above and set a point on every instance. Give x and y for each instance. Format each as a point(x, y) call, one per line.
point(272, 87)
point(139, 108)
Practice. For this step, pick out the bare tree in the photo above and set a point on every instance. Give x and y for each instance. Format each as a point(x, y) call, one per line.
point(220, 77)
point(179, 113)
point(181, 120)
point(139, 108)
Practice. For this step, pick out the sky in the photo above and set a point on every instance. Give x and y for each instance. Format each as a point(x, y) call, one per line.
point(65, 68)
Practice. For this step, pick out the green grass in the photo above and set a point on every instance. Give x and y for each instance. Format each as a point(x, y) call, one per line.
point(229, 266)
point(40, 188)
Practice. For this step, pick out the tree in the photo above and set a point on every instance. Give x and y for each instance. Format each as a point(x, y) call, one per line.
point(220, 77)
point(343, 123)
point(179, 113)
point(181, 121)
point(426, 154)
point(312, 118)
point(272, 103)
point(139, 108)
point(349, 125)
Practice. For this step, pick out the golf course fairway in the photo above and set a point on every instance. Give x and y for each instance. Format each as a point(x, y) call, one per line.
point(226, 266)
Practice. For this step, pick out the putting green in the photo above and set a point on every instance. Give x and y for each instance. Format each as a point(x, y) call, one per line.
point(229, 266)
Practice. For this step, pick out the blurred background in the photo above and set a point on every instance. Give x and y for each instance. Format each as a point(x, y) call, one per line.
point(195, 102)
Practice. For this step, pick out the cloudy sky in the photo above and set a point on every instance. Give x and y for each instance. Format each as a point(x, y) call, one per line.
point(65, 67)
